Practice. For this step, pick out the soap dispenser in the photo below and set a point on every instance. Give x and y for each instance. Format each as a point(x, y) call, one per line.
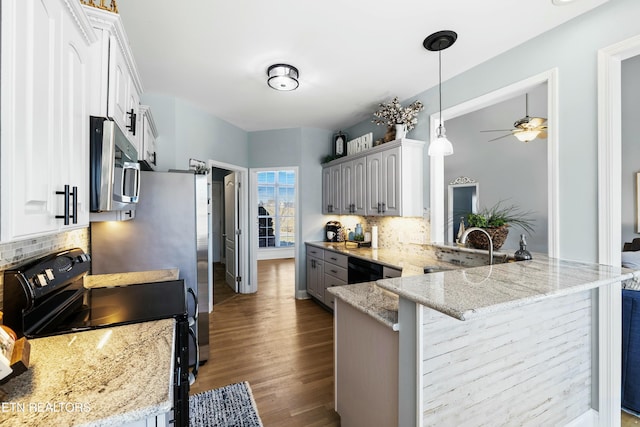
point(522, 254)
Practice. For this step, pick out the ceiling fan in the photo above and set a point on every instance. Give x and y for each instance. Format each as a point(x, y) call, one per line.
point(525, 129)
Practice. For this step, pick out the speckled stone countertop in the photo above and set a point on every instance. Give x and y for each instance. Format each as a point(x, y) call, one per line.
point(372, 300)
point(411, 262)
point(119, 279)
point(103, 377)
point(467, 293)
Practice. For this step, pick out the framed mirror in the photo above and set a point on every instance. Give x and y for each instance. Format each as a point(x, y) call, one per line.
point(462, 200)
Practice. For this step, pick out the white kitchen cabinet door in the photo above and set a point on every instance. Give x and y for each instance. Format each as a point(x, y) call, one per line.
point(332, 189)
point(374, 184)
point(30, 66)
point(148, 134)
point(353, 187)
point(74, 146)
point(45, 54)
point(115, 73)
point(118, 98)
point(391, 182)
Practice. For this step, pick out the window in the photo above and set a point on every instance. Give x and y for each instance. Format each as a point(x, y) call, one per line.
point(276, 208)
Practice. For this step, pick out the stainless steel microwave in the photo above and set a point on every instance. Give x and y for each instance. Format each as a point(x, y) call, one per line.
point(114, 168)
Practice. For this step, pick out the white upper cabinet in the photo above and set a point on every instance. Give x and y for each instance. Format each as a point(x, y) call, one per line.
point(383, 181)
point(148, 134)
point(117, 85)
point(44, 113)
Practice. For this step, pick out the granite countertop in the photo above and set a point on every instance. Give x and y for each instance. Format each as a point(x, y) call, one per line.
point(119, 279)
point(411, 262)
point(104, 377)
point(372, 300)
point(467, 293)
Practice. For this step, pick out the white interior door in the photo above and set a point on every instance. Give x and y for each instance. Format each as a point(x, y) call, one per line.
point(231, 230)
point(217, 215)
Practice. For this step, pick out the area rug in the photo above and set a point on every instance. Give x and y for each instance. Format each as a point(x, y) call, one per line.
point(228, 406)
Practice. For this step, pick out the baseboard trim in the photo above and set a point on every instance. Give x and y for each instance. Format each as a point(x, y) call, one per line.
point(588, 419)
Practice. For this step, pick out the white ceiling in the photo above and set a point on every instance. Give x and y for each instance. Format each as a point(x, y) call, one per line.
point(351, 54)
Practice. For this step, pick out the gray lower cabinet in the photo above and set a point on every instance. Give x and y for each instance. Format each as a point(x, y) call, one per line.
point(315, 276)
point(335, 274)
point(324, 270)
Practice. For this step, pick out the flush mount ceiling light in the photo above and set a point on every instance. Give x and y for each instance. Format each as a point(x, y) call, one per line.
point(561, 2)
point(437, 42)
point(282, 77)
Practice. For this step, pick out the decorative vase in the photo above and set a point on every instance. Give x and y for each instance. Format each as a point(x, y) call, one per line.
point(401, 130)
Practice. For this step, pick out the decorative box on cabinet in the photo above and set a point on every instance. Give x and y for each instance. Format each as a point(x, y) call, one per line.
point(45, 70)
point(389, 184)
point(114, 74)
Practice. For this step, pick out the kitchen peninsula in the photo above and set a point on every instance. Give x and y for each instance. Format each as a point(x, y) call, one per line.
point(507, 344)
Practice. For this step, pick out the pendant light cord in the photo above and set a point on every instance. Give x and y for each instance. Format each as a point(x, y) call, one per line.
point(440, 82)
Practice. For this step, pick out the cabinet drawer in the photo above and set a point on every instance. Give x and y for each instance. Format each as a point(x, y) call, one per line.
point(315, 252)
point(336, 271)
point(337, 259)
point(331, 281)
point(388, 272)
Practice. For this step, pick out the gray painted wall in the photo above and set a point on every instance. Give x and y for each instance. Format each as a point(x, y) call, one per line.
point(302, 148)
point(630, 145)
point(572, 49)
point(185, 131)
point(507, 170)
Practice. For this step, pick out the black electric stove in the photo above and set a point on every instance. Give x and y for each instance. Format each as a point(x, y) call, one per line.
point(47, 297)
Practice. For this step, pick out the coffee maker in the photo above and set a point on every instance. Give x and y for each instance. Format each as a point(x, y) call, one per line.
point(331, 231)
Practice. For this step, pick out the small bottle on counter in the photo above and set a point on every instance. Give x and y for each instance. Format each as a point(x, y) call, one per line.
point(460, 230)
point(522, 254)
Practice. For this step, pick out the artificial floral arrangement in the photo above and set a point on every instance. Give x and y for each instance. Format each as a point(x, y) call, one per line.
point(394, 113)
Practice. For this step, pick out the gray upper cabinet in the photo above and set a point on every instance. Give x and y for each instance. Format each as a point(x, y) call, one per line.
point(386, 180)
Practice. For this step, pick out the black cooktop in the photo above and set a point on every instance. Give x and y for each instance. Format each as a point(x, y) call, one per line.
point(121, 305)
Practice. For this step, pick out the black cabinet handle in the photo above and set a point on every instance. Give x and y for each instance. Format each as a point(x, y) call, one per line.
point(132, 121)
point(66, 205)
point(384, 207)
point(74, 215)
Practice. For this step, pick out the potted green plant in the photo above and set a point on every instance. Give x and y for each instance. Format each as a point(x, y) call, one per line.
point(496, 221)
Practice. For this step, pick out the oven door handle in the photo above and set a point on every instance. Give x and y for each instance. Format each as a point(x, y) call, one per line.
point(195, 300)
point(194, 372)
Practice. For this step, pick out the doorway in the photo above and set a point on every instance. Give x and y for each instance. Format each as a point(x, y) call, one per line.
point(230, 266)
point(610, 218)
point(274, 203)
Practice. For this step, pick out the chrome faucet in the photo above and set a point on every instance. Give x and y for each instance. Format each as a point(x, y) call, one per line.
point(463, 240)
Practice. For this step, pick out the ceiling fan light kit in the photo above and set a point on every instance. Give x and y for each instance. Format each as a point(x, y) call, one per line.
point(525, 129)
point(437, 42)
point(283, 77)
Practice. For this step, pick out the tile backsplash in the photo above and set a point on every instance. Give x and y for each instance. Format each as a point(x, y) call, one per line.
point(19, 252)
point(393, 232)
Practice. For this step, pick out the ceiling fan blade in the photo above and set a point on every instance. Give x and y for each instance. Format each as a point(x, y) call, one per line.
point(542, 134)
point(497, 130)
point(500, 137)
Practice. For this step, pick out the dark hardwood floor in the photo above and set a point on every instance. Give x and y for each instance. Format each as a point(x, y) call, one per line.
point(221, 291)
point(282, 346)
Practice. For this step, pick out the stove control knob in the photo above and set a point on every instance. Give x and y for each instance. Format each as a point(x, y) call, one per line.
point(49, 273)
point(41, 280)
point(83, 258)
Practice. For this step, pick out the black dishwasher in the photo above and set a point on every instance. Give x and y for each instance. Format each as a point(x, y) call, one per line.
point(361, 270)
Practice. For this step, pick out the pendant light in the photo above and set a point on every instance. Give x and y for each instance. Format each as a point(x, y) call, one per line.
point(282, 77)
point(437, 42)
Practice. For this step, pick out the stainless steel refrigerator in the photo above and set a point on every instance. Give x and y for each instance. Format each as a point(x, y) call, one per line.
point(170, 230)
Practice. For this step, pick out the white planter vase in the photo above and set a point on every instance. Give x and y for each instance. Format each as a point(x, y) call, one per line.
point(401, 131)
